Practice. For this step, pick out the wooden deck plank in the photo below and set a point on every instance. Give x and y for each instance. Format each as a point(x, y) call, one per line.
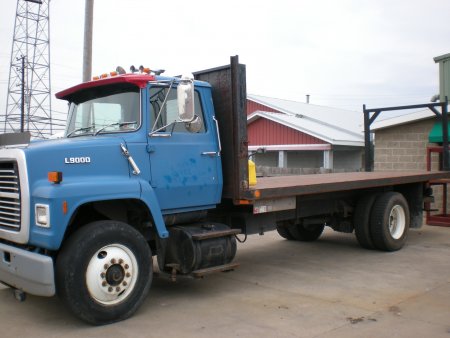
point(272, 187)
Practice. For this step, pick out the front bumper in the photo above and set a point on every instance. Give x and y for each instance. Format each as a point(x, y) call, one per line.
point(27, 271)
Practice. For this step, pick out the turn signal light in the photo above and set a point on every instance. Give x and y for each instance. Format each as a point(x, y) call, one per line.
point(55, 177)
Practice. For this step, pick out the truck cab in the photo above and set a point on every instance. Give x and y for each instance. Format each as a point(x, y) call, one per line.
point(141, 152)
point(177, 159)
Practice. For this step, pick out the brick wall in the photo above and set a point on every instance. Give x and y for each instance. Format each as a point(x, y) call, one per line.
point(401, 148)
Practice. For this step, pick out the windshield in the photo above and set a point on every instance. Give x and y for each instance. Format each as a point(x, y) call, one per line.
point(108, 111)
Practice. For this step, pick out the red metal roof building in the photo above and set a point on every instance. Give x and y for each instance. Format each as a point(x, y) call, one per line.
point(300, 135)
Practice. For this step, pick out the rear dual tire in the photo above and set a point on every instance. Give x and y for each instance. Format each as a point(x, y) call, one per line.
point(361, 220)
point(389, 221)
point(300, 232)
point(382, 221)
point(282, 229)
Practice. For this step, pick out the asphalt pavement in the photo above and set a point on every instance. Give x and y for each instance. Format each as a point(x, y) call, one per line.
point(328, 288)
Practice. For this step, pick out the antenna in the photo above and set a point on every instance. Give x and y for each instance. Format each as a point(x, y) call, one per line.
point(28, 105)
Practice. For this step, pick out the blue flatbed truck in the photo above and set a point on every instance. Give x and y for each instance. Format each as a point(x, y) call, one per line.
point(154, 166)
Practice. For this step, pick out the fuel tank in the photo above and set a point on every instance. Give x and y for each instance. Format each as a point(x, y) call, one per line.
point(199, 246)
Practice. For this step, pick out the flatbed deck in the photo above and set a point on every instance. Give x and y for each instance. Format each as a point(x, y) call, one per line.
point(285, 186)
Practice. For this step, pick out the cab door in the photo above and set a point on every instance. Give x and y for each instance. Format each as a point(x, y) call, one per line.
point(185, 165)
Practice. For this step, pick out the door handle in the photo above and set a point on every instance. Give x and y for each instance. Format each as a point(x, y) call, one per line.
point(209, 153)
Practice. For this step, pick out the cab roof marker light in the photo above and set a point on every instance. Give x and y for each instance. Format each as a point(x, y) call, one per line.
point(105, 75)
point(121, 71)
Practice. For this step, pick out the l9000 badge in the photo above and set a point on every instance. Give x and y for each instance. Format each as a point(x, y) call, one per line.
point(77, 160)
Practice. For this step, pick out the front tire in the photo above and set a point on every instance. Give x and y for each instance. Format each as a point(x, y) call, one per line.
point(104, 272)
point(389, 221)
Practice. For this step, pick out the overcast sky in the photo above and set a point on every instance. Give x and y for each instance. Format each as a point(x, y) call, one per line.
point(343, 53)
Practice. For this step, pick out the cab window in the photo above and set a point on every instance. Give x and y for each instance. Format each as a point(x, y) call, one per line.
point(169, 112)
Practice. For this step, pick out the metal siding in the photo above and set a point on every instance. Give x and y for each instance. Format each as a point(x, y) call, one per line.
point(265, 132)
point(253, 106)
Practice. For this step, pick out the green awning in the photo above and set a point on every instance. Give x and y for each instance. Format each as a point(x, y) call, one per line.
point(436, 133)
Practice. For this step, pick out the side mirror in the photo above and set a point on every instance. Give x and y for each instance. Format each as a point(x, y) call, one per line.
point(185, 95)
point(195, 125)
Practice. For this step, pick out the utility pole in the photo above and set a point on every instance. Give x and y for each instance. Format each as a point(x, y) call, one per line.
point(87, 51)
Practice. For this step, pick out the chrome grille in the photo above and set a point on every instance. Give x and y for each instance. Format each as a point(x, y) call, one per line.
point(10, 210)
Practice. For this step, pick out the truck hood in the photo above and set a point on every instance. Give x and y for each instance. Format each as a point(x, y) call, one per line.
point(77, 158)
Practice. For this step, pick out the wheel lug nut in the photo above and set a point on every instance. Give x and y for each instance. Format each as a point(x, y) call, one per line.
point(126, 266)
point(124, 283)
point(104, 283)
point(128, 275)
point(110, 289)
point(102, 275)
point(120, 261)
point(113, 261)
point(117, 289)
point(105, 266)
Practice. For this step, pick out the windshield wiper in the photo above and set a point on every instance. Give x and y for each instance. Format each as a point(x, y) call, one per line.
point(81, 129)
point(120, 124)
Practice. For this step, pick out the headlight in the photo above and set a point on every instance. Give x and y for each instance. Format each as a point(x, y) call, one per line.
point(42, 213)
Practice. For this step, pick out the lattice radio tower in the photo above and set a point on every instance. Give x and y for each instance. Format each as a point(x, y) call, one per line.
point(28, 105)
